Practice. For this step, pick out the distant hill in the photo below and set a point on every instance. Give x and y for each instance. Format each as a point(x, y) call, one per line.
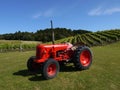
point(94, 38)
point(90, 39)
point(42, 35)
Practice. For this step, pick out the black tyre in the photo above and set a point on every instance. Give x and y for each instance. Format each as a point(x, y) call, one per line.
point(50, 69)
point(31, 65)
point(82, 58)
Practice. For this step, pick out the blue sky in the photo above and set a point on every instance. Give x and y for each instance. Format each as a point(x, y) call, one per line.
point(32, 15)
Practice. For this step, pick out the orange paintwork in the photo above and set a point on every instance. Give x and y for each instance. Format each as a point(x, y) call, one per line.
point(58, 52)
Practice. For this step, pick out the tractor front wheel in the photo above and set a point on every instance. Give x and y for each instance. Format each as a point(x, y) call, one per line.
point(50, 69)
point(31, 65)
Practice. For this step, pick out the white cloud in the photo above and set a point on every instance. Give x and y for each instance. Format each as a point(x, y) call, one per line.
point(95, 12)
point(112, 10)
point(37, 15)
point(101, 11)
point(47, 13)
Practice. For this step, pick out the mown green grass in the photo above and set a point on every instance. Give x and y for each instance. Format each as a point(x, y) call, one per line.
point(104, 73)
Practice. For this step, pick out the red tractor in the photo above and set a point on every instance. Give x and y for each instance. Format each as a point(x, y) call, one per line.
point(49, 57)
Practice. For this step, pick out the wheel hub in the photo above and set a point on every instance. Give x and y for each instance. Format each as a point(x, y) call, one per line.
point(51, 70)
point(85, 58)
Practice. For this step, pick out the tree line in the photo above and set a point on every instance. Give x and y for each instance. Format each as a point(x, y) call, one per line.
point(42, 35)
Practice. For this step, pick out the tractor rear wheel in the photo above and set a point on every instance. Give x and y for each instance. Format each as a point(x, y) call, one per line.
point(82, 58)
point(50, 69)
point(31, 65)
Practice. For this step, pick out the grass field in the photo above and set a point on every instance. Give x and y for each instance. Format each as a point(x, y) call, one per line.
point(17, 45)
point(104, 74)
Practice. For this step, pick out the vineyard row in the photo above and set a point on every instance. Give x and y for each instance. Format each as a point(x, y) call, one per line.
point(89, 39)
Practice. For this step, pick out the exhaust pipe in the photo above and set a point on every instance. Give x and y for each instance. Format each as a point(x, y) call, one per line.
point(53, 38)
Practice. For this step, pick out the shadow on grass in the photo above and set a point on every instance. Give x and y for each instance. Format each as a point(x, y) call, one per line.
point(25, 73)
point(64, 68)
point(36, 76)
